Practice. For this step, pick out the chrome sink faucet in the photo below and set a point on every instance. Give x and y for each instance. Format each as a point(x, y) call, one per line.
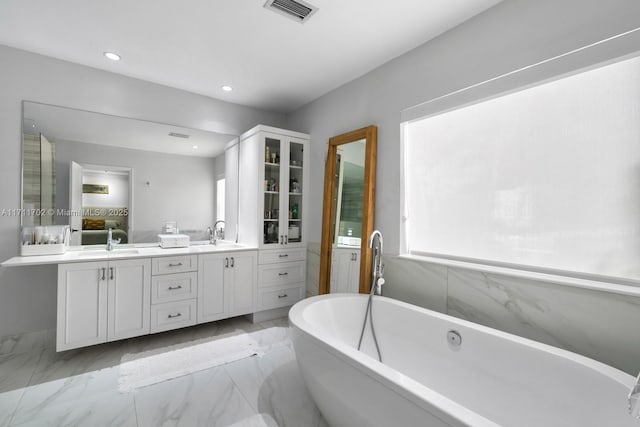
point(110, 242)
point(216, 234)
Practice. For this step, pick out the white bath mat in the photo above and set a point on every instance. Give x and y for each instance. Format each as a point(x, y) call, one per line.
point(151, 367)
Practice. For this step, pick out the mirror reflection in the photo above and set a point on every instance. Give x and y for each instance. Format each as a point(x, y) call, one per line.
point(348, 207)
point(95, 172)
point(347, 194)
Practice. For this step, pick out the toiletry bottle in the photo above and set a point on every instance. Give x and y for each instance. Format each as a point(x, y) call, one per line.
point(294, 211)
point(267, 157)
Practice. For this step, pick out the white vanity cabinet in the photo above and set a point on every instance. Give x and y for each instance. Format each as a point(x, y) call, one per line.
point(102, 301)
point(226, 285)
point(345, 270)
point(112, 299)
point(173, 292)
point(282, 275)
point(273, 213)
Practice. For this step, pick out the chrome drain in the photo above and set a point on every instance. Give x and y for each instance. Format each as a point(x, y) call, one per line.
point(454, 339)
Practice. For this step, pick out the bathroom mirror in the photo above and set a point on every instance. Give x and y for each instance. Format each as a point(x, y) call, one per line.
point(96, 171)
point(347, 215)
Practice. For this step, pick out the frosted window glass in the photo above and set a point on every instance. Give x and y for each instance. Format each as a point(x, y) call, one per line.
point(547, 177)
point(220, 207)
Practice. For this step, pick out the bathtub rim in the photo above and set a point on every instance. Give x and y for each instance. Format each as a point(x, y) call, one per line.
point(413, 390)
point(448, 410)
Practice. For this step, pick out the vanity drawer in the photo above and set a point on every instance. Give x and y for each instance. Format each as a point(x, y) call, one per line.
point(175, 264)
point(174, 287)
point(281, 274)
point(173, 315)
point(281, 255)
point(268, 299)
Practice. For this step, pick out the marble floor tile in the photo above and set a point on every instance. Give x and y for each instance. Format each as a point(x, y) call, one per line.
point(282, 322)
point(60, 365)
point(237, 325)
point(273, 385)
point(257, 420)
point(205, 398)
point(16, 371)
point(70, 397)
point(22, 343)
point(101, 409)
point(40, 387)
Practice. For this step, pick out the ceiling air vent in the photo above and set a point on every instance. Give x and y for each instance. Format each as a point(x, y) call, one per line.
point(297, 10)
point(178, 135)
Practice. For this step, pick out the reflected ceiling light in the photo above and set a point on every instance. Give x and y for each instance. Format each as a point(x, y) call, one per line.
point(195, 147)
point(227, 88)
point(112, 56)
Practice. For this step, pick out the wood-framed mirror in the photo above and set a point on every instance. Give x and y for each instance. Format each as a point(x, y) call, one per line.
point(347, 214)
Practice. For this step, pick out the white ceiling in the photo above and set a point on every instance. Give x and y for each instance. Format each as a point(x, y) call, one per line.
point(272, 62)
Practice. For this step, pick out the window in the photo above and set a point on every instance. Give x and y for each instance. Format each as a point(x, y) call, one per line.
point(547, 177)
point(220, 199)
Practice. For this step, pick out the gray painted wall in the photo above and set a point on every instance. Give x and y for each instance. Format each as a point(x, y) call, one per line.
point(28, 295)
point(180, 188)
point(508, 36)
point(511, 35)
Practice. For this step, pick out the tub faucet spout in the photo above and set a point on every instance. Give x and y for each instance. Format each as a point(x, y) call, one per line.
point(378, 266)
point(634, 399)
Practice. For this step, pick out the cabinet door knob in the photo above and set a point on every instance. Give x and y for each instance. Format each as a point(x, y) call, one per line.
point(283, 274)
point(226, 263)
point(281, 239)
point(286, 240)
point(171, 316)
point(283, 255)
point(173, 288)
point(110, 273)
point(283, 296)
point(104, 274)
point(175, 265)
point(233, 262)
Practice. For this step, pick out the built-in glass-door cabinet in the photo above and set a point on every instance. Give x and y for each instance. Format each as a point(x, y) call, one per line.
point(273, 188)
point(283, 194)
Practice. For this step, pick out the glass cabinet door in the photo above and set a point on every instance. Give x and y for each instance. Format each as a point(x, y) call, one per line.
point(293, 220)
point(273, 150)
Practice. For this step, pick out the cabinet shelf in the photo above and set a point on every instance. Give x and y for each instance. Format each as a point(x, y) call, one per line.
point(295, 194)
point(295, 167)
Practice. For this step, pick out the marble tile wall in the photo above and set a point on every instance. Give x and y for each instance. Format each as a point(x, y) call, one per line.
point(313, 268)
point(598, 324)
point(416, 282)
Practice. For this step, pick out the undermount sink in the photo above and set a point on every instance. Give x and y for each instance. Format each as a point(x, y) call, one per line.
point(104, 252)
point(125, 252)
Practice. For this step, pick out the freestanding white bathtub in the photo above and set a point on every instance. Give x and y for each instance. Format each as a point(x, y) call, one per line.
point(491, 379)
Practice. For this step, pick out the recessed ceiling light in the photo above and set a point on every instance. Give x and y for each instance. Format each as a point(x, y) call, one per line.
point(227, 88)
point(195, 147)
point(112, 56)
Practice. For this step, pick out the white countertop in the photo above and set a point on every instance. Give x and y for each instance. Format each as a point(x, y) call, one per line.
point(99, 253)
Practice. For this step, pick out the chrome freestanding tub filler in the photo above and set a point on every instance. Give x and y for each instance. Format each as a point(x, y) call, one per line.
point(438, 370)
